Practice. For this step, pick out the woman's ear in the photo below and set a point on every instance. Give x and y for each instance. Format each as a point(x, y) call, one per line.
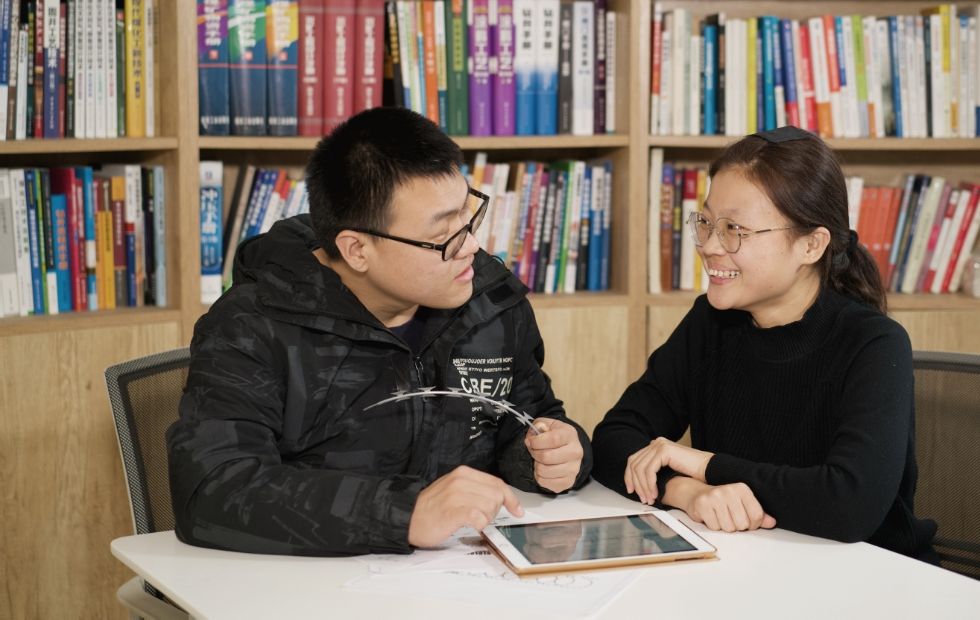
point(815, 244)
point(352, 248)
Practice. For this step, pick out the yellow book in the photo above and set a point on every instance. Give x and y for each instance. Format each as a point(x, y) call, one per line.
point(105, 273)
point(700, 282)
point(750, 88)
point(135, 12)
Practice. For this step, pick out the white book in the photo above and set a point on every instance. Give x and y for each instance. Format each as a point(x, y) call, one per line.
point(919, 79)
point(680, 88)
point(410, 76)
point(211, 200)
point(688, 206)
point(653, 219)
point(849, 97)
point(904, 46)
point(273, 209)
point(294, 203)
point(78, 42)
point(740, 85)
point(937, 81)
point(797, 77)
point(149, 47)
point(109, 49)
point(667, 76)
point(90, 78)
point(696, 68)
point(871, 77)
point(973, 80)
point(610, 72)
point(920, 237)
point(944, 246)
point(655, 97)
point(731, 128)
point(583, 68)
point(855, 187)
point(964, 105)
point(20, 130)
point(9, 287)
point(966, 252)
point(818, 56)
point(101, 111)
point(22, 242)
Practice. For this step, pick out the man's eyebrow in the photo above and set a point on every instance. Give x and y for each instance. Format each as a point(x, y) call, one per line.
point(441, 215)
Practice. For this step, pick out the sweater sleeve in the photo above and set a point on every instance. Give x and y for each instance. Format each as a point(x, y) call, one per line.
point(533, 395)
point(847, 496)
point(229, 486)
point(653, 406)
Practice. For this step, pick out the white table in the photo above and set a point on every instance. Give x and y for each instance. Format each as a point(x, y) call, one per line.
point(762, 574)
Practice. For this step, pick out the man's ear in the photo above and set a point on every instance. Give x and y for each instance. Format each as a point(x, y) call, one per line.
point(815, 244)
point(352, 249)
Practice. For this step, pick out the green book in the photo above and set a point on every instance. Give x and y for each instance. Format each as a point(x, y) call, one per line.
point(459, 105)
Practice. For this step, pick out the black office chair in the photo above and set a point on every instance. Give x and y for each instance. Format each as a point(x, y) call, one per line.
point(947, 427)
point(144, 394)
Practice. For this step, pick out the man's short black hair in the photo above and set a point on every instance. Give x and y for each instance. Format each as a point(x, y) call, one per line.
point(353, 172)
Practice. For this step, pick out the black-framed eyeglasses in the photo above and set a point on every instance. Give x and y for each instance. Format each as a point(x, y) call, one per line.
point(730, 234)
point(476, 203)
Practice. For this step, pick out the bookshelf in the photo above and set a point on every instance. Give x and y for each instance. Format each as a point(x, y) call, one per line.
point(59, 466)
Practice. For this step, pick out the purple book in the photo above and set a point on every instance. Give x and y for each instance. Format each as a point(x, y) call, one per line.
point(502, 50)
point(481, 90)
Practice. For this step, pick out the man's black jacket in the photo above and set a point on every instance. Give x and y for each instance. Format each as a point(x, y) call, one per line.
point(275, 451)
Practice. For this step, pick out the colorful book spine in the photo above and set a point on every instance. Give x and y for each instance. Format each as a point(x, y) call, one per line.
point(525, 111)
point(84, 174)
point(503, 87)
point(282, 34)
point(246, 67)
point(368, 60)
point(456, 60)
point(710, 86)
point(59, 235)
point(211, 204)
point(136, 68)
point(481, 90)
point(565, 101)
point(212, 67)
point(311, 36)
point(600, 46)
point(52, 45)
point(35, 238)
point(338, 63)
point(546, 66)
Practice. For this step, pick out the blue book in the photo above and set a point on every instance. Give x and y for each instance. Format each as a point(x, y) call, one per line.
point(160, 235)
point(84, 173)
point(35, 241)
point(710, 84)
point(777, 71)
point(841, 64)
point(257, 215)
point(524, 69)
point(247, 66)
point(606, 232)
point(768, 72)
point(760, 89)
point(5, 36)
point(789, 72)
point(895, 54)
point(546, 66)
point(211, 254)
point(212, 67)
point(59, 234)
point(282, 29)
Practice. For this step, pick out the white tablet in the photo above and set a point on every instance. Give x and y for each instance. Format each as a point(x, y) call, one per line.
point(599, 542)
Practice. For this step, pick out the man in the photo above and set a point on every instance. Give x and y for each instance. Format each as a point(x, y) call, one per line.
point(278, 448)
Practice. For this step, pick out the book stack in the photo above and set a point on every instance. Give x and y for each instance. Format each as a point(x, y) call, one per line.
point(80, 239)
point(840, 76)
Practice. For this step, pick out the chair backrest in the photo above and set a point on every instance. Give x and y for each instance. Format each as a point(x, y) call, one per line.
point(144, 394)
point(947, 428)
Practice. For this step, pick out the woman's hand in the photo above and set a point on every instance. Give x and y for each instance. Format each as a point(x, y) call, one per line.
point(643, 465)
point(728, 507)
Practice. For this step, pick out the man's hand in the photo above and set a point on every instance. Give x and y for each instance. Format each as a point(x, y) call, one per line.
point(463, 497)
point(557, 454)
point(642, 466)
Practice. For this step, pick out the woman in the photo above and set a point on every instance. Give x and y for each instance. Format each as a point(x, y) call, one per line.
point(796, 387)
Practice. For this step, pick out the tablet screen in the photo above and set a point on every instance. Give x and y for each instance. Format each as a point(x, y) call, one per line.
point(594, 539)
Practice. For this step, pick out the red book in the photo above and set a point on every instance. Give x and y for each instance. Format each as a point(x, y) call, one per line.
point(369, 30)
point(879, 233)
point(429, 61)
point(338, 62)
point(656, 34)
point(958, 248)
point(808, 107)
point(869, 204)
point(63, 182)
point(311, 38)
point(940, 231)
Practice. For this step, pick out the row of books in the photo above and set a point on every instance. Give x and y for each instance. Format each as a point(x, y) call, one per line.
point(477, 67)
point(80, 239)
point(260, 197)
point(920, 234)
point(548, 222)
point(843, 76)
point(505, 67)
point(287, 67)
point(77, 68)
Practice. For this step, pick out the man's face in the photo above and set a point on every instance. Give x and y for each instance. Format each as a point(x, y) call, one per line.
point(430, 210)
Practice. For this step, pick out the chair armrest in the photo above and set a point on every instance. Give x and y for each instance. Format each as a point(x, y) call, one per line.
point(142, 604)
